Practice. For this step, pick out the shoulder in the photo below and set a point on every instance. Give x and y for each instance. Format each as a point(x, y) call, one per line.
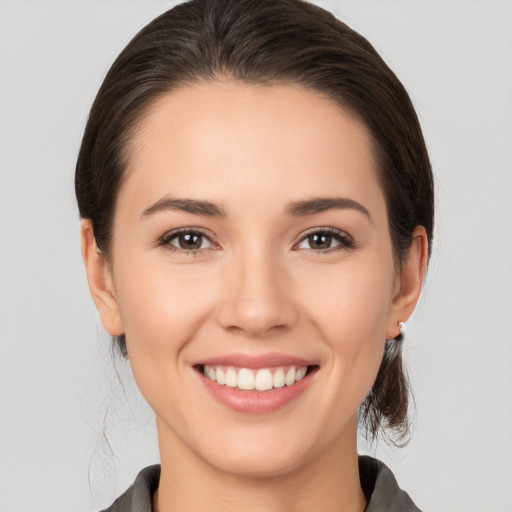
point(138, 497)
point(381, 488)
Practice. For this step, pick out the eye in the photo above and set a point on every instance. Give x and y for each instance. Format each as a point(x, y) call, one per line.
point(188, 240)
point(323, 240)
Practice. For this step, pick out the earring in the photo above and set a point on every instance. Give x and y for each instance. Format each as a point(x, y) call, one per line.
point(401, 334)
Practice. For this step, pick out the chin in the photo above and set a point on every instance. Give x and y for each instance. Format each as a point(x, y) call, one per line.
point(261, 451)
point(257, 464)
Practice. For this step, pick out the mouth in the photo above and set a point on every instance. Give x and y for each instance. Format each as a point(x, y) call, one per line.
point(256, 385)
point(256, 379)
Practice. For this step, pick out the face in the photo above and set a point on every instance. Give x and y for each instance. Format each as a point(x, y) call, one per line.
point(251, 244)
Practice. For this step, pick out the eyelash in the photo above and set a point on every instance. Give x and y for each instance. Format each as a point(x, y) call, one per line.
point(344, 240)
point(165, 241)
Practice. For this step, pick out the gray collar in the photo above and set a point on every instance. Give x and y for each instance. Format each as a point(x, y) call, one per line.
point(377, 480)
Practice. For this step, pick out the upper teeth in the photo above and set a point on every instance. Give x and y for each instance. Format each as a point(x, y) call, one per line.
point(260, 380)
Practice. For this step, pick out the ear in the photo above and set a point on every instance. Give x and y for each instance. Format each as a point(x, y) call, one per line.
point(409, 282)
point(100, 281)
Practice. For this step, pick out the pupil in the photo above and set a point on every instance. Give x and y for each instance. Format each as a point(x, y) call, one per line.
point(321, 241)
point(190, 241)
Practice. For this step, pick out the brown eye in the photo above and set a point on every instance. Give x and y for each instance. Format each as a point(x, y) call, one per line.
point(320, 241)
point(190, 241)
point(325, 240)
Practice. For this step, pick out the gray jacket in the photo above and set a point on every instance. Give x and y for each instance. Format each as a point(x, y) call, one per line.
point(377, 481)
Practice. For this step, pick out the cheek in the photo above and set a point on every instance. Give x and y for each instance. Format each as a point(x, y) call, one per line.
point(161, 310)
point(160, 304)
point(350, 309)
point(352, 301)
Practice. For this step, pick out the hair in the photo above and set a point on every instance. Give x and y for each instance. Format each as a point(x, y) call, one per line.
point(266, 42)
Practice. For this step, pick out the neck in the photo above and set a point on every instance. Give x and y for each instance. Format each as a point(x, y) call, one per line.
point(328, 483)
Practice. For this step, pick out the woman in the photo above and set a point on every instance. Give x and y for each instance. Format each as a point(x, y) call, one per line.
point(257, 211)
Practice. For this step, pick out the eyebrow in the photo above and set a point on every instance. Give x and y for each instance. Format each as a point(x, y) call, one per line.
point(295, 209)
point(318, 205)
point(185, 205)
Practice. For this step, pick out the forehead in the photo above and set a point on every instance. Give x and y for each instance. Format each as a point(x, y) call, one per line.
point(227, 138)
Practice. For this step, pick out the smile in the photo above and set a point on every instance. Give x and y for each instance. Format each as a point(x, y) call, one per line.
point(256, 384)
point(262, 379)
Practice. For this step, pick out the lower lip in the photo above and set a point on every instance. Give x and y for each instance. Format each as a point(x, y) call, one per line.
point(256, 402)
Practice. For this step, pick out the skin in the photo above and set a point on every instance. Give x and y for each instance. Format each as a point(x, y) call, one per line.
point(258, 285)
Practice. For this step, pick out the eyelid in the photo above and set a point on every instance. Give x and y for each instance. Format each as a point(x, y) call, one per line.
point(165, 239)
point(346, 240)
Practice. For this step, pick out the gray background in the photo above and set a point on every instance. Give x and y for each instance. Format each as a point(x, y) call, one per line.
point(59, 394)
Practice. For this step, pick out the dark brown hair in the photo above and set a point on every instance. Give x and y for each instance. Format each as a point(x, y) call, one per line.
point(266, 42)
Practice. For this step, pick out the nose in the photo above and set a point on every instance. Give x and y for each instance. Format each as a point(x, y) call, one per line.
point(258, 298)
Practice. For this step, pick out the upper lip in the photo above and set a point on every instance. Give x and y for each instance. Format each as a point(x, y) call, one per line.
point(269, 360)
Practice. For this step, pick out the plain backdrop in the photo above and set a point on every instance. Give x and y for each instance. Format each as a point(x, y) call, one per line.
point(72, 437)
